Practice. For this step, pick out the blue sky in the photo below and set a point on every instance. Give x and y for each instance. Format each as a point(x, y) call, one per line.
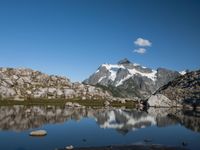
point(73, 37)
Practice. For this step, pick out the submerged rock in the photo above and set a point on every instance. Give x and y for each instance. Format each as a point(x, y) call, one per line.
point(147, 140)
point(69, 147)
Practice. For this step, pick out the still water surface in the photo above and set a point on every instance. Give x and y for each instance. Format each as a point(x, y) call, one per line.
point(95, 127)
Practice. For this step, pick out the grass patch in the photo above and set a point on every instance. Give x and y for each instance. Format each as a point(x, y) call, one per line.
point(128, 104)
point(62, 102)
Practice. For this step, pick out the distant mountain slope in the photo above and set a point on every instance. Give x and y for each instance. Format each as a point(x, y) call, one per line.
point(127, 79)
point(20, 84)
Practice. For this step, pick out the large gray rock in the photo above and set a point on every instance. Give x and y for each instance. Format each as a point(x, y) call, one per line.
point(69, 93)
point(7, 92)
point(160, 100)
point(38, 133)
point(40, 93)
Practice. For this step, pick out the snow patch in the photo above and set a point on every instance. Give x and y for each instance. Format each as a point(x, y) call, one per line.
point(110, 66)
point(113, 70)
point(122, 80)
point(101, 78)
point(151, 75)
point(132, 72)
point(183, 72)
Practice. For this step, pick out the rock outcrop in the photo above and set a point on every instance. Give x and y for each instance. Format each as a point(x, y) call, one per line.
point(160, 100)
point(38, 133)
point(22, 84)
point(182, 91)
point(132, 80)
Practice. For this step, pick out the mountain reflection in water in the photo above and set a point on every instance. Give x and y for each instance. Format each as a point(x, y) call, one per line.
point(20, 118)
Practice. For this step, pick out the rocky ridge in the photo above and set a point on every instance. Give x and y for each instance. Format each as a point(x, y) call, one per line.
point(182, 91)
point(24, 84)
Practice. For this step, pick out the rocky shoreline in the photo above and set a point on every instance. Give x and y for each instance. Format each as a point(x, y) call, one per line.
point(130, 147)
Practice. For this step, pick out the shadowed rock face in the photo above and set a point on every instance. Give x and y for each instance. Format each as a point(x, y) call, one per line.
point(20, 84)
point(127, 79)
point(184, 90)
point(20, 118)
point(184, 87)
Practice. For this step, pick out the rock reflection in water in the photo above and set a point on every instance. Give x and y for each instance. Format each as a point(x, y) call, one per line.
point(189, 119)
point(19, 118)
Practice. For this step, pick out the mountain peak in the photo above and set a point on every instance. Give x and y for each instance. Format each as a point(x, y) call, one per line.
point(124, 61)
point(129, 79)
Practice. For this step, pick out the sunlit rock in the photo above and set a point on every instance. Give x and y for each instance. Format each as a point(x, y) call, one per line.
point(38, 133)
point(160, 100)
point(30, 84)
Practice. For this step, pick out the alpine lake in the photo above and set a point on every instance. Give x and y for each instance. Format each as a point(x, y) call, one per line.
point(96, 126)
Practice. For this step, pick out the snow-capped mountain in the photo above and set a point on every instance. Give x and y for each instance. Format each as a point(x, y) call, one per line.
point(126, 79)
point(183, 72)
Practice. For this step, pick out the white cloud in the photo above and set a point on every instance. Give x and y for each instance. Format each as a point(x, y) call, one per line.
point(142, 42)
point(140, 50)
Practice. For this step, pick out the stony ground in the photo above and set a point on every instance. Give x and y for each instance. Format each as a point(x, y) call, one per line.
point(21, 84)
